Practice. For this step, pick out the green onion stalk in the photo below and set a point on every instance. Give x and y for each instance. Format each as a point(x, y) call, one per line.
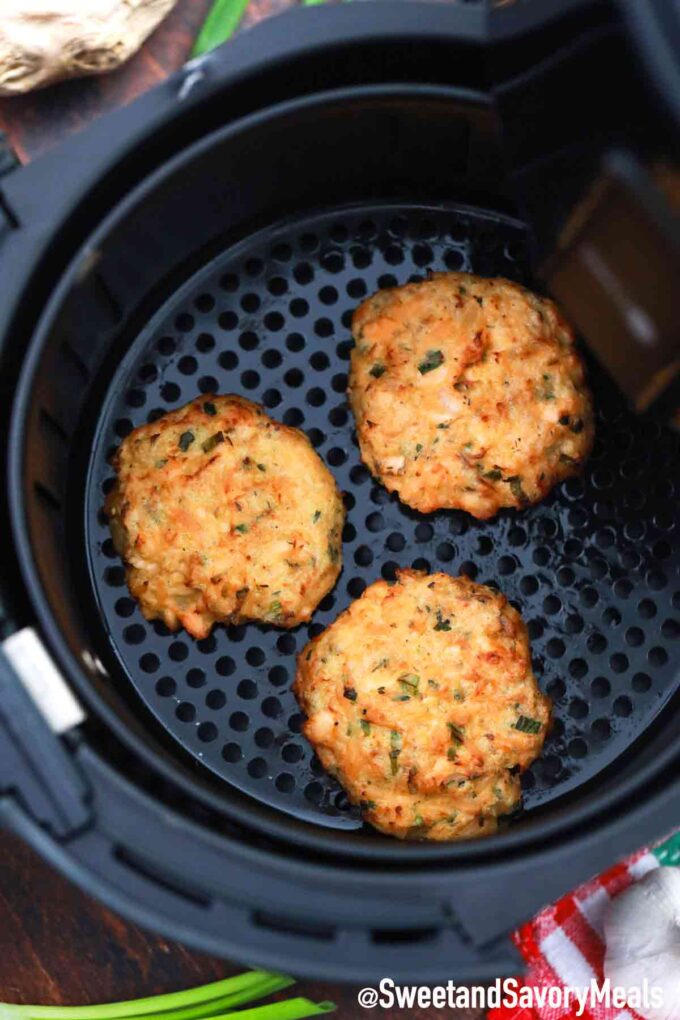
point(215, 1001)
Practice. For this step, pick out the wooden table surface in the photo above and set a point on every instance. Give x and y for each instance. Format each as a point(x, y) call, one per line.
point(56, 944)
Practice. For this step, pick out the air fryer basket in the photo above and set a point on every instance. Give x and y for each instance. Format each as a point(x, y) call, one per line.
point(270, 317)
point(228, 258)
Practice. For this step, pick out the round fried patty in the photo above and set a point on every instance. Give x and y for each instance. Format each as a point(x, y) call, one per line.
point(421, 700)
point(223, 515)
point(468, 393)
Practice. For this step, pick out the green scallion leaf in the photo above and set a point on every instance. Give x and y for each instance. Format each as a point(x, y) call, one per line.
point(545, 390)
point(223, 19)
point(525, 724)
point(293, 1009)
point(515, 483)
point(395, 744)
point(441, 623)
point(457, 733)
point(409, 683)
point(432, 360)
point(191, 1004)
point(209, 444)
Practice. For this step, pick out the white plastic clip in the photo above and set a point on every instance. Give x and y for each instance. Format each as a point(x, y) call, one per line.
point(43, 681)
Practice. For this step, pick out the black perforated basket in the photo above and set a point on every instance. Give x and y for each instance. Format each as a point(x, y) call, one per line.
point(216, 237)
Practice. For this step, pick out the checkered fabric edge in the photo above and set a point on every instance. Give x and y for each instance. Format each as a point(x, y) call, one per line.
point(563, 944)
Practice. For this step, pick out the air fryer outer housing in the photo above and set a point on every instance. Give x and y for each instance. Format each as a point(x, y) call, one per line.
point(114, 803)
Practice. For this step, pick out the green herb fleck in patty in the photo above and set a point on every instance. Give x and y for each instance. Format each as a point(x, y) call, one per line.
point(409, 683)
point(395, 744)
point(525, 724)
point(442, 624)
point(212, 442)
point(515, 483)
point(457, 733)
point(432, 360)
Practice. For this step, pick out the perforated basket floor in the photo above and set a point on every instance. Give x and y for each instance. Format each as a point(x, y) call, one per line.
point(593, 570)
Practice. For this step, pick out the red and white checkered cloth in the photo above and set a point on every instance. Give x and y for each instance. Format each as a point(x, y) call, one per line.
point(563, 945)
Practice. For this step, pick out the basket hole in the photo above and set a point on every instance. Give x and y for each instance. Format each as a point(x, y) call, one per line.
point(166, 687)
point(178, 651)
point(225, 665)
point(185, 712)
point(196, 678)
point(403, 936)
point(297, 929)
point(292, 753)
point(257, 768)
point(187, 365)
point(232, 753)
point(600, 687)
point(271, 358)
point(641, 683)
point(247, 689)
point(134, 634)
point(228, 360)
point(278, 675)
point(216, 699)
point(207, 732)
point(272, 708)
point(647, 609)
point(124, 607)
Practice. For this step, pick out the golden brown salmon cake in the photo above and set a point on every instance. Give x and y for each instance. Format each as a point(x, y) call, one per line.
point(468, 393)
point(421, 700)
point(223, 515)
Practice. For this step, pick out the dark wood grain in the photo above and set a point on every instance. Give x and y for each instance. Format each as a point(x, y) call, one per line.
point(57, 945)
